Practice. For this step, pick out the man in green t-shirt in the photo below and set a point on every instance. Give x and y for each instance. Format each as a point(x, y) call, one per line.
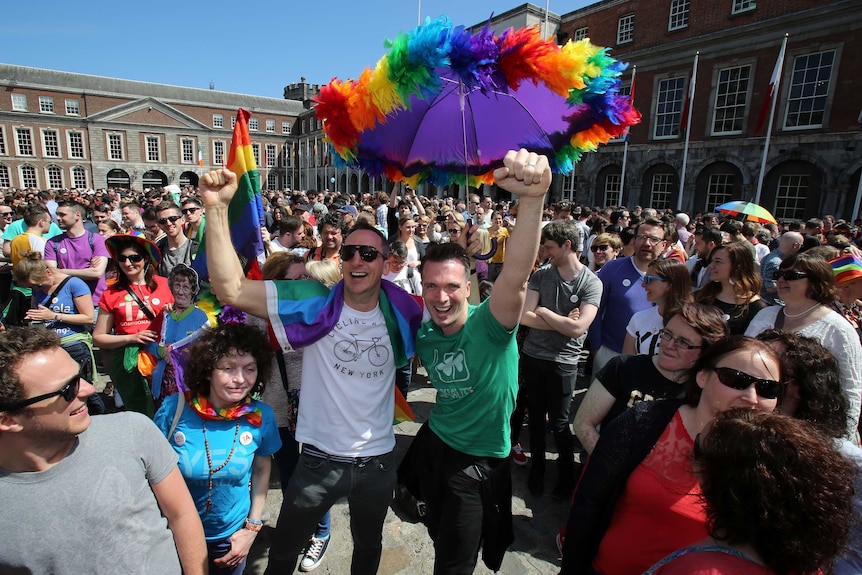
point(461, 457)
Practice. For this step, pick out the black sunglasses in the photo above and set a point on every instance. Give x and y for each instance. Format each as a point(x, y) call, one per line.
point(454, 231)
point(739, 380)
point(172, 219)
point(602, 247)
point(367, 253)
point(68, 392)
point(187, 211)
point(134, 258)
point(789, 275)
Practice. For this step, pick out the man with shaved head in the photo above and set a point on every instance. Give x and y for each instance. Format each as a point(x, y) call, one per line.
point(788, 244)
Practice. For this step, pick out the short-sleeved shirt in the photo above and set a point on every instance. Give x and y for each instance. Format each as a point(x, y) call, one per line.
point(128, 317)
point(76, 254)
point(230, 495)
point(644, 327)
point(23, 243)
point(475, 372)
point(63, 302)
point(632, 379)
point(19, 227)
point(561, 296)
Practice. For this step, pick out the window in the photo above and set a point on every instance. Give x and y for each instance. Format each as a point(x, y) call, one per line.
point(115, 146)
point(46, 104)
point(270, 126)
point(153, 149)
point(285, 128)
point(233, 122)
point(188, 151)
point(55, 177)
point(662, 185)
point(255, 148)
point(743, 5)
point(218, 121)
point(28, 177)
point(790, 199)
point(679, 14)
point(218, 153)
point(612, 190)
point(79, 177)
point(272, 181)
point(51, 143)
point(253, 124)
point(76, 145)
point(2, 141)
point(5, 180)
point(809, 90)
point(669, 103)
point(625, 29)
point(25, 141)
point(719, 191)
point(19, 102)
point(731, 98)
point(580, 34)
point(72, 107)
point(271, 155)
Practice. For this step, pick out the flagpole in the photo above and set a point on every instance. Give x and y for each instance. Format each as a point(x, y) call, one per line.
point(775, 90)
point(626, 140)
point(687, 132)
point(858, 199)
point(545, 34)
point(419, 17)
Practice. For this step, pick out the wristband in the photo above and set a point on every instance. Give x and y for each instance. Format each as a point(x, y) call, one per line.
point(56, 317)
point(253, 525)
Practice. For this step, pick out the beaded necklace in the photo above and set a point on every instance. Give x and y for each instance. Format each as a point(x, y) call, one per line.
point(212, 471)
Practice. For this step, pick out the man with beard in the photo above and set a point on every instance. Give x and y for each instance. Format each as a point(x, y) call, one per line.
point(332, 229)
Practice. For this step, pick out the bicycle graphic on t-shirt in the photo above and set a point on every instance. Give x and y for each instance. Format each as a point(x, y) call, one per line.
point(350, 351)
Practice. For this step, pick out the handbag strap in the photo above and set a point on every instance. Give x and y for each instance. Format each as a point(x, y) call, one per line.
point(282, 368)
point(57, 289)
point(779, 320)
point(181, 402)
point(144, 307)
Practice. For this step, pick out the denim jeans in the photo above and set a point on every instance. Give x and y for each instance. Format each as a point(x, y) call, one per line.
point(286, 459)
point(220, 548)
point(368, 483)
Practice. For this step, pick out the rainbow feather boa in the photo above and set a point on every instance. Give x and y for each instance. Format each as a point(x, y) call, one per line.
point(584, 74)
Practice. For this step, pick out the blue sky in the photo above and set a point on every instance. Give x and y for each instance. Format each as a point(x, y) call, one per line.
point(246, 47)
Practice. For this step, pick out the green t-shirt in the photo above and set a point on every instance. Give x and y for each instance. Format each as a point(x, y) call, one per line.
point(475, 372)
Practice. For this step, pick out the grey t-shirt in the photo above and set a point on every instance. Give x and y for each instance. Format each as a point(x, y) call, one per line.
point(94, 512)
point(561, 297)
point(171, 258)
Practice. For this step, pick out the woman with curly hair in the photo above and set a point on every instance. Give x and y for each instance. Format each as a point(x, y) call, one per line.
point(778, 498)
point(734, 285)
point(640, 475)
point(224, 438)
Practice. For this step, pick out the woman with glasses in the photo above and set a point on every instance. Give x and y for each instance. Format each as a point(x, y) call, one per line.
point(605, 248)
point(127, 310)
point(667, 284)
point(224, 439)
point(597, 229)
point(734, 285)
point(759, 473)
point(689, 330)
point(639, 499)
point(172, 325)
point(806, 285)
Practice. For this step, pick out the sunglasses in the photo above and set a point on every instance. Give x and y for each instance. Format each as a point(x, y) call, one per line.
point(739, 380)
point(789, 275)
point(134, 258)
point(602, 247)
point(172, 219)
point(6, 214)
point(69, 391)
point(454, 231)
point(648, 279)
point(187, 211)
point(366, 253)
point(677, 341)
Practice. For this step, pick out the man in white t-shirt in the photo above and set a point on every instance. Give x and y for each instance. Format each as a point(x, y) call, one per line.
point(347, 393)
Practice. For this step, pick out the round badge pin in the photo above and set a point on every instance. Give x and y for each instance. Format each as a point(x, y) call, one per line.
point(156, 301)
point(245, 438)
point(179, 438)
point(127, 298)
point(574, 298)
point(62, 250)
point(627, 282)
point(55, 300)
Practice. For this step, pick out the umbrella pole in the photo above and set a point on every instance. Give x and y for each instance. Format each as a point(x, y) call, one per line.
point(462, 97)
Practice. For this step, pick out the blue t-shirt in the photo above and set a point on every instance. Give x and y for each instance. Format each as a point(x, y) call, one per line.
point(231, 499)
point(64, 302)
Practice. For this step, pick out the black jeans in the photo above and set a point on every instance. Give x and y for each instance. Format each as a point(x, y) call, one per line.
point(549, 391)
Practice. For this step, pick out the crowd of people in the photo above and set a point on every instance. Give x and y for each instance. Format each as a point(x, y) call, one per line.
point(700, 378)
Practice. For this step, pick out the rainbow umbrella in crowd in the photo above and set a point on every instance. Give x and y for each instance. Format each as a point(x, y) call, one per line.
point(444, 105)
point(747, 211)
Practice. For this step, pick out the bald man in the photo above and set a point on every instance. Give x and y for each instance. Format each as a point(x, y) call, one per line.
point(788, 244)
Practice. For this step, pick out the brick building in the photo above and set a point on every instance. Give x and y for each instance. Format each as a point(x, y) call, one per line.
point(815, 153)
point(62, 130)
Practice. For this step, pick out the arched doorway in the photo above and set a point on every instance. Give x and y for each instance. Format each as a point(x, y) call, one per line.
point(154, 179)
point(118, 178)
point(188, 179)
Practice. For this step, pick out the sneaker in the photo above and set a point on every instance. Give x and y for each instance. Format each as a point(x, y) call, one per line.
point(314, 554)
point(518, 455)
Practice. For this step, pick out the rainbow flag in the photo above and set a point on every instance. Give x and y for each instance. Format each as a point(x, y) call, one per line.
point(245, 214)
point(403, 412)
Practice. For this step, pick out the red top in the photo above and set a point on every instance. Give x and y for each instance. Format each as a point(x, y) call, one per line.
point(660, 510)
point(128, 317)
